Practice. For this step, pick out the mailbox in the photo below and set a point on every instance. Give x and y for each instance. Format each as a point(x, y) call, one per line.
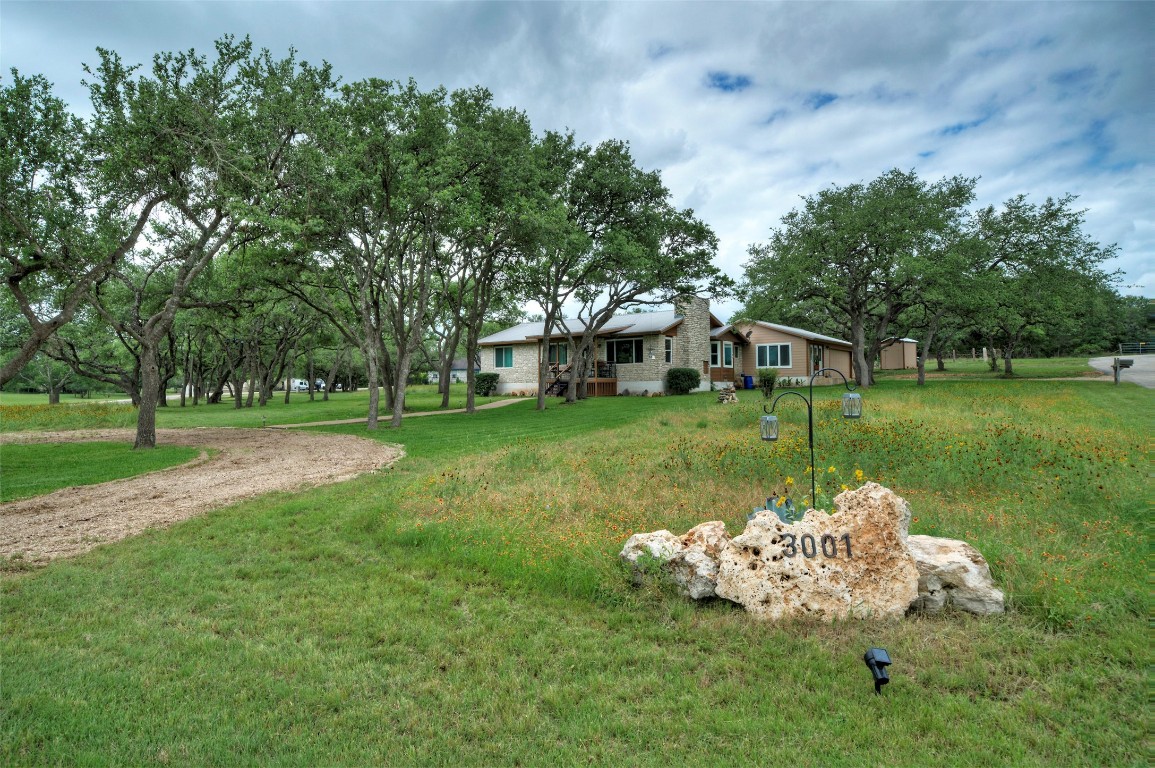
point(1121, 363)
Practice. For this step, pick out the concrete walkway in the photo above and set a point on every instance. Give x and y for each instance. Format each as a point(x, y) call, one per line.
point(385, 417)
point(1141, 373)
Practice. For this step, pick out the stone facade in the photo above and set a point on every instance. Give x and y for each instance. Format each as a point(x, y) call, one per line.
point(522, 376)
point(692, 344)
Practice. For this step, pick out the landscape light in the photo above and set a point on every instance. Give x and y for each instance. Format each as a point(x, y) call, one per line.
point(877, 659)
point(769, 427)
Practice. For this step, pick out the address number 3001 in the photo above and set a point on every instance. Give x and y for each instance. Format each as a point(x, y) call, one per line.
point(809, 547)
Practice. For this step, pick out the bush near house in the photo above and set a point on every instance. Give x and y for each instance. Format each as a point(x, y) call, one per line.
point(485, 384)
point(767, 380)
point(682, 381)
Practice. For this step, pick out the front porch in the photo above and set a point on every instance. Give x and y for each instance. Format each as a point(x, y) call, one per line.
point(601, 379)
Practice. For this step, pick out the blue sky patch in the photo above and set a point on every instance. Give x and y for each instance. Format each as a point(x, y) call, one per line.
point(728, 81)
point(926, 153)
point(775, 116)
point(819, 99)
point(957, 128)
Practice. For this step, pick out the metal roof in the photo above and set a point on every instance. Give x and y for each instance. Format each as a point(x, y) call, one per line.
point(809, 335)
point(638, 324)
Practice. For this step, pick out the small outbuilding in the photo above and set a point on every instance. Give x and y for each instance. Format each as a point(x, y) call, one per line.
point(898, 354)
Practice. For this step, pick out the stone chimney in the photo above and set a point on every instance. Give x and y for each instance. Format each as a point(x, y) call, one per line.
point(693, 345)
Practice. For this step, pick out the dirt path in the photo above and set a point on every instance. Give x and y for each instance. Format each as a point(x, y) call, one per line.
point(247, 463)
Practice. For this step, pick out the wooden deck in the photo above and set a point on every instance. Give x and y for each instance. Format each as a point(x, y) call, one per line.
point(602, 381)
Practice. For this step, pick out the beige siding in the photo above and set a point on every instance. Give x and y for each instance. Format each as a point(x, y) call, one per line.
point(833, 356)
point(900, 355)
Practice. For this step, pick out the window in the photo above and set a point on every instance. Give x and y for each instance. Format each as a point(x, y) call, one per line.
point(773, 355)
point(559, 353)
point(669, 350)
point(503, 357)
point(721, 354)
point(624, 351)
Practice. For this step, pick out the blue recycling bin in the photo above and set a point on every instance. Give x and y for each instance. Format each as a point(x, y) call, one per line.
point(749, 381)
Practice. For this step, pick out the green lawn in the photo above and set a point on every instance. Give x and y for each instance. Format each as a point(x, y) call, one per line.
point(1027, 368)
point(466, 607)
point(37, 468)
point(31, 398)
point(341, 405)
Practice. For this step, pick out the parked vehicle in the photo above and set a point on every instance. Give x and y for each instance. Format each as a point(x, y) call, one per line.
point(298, 385)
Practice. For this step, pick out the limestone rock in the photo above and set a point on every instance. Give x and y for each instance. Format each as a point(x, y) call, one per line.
point(952, 572)
point(854, 562)
point(690, 561)
point(695, 568)
point(711, 537)
point(695, 573)
point(660, 545)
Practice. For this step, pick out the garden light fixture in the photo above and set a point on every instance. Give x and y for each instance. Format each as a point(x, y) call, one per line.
point(769, 427)
point(851, 409)
point(877, 659)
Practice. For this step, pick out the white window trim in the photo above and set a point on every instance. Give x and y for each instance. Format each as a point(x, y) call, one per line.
point(758, 354)
point(499, 349)
point(727, 352)
point(669, 350)
point(715, 354)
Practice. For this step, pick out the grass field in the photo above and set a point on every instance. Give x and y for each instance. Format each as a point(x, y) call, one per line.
point(467, 608)
point(25, 415)
point(39, 468)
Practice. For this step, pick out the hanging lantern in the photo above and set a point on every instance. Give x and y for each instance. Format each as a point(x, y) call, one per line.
point(852, 405)
point(769, 427)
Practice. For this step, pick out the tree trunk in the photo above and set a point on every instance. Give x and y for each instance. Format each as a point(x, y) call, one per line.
point(401, 375)
point(370, 351)
point(858, 345)
point(921, 359)
point(149, 388)
point(1008, 366)
point(312, 375)
point(332, 374)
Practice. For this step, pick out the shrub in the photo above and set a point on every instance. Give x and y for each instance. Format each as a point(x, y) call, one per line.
point(485, 384)
point(681, 381)
point(767, 380)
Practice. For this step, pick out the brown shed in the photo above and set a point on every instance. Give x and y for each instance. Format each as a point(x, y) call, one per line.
point(898, 354)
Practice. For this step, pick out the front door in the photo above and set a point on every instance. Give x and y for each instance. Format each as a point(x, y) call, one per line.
point(816, 360)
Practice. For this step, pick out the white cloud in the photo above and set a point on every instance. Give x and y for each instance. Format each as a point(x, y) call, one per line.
point(1051, 97)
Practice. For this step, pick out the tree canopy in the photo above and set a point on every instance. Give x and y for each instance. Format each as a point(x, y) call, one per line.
point(213, 214)
point(900, 256)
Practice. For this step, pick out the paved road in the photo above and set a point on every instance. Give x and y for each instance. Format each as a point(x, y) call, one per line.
point(1141, 373)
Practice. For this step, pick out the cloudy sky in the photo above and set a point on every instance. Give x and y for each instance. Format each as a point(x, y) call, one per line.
point(743, 106)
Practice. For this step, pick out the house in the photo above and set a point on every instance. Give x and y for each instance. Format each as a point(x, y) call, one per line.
point(898, 354)
point(633, 352)
point(458, 372)
point(794, 352)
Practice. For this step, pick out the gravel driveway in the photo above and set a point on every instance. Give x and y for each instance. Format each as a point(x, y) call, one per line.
point(248, 462)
